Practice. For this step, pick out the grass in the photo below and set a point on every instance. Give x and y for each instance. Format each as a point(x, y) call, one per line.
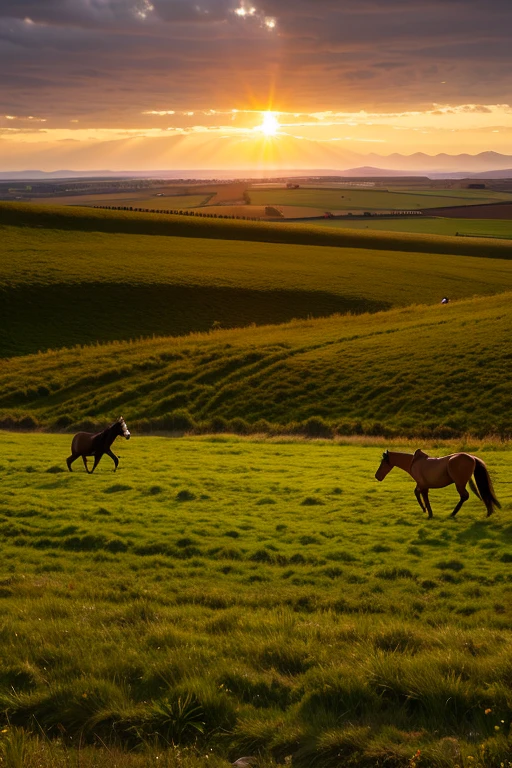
point(225, 626)
point(431, 226)
point(423, 371)
point(224, 596)
point(371, 199)
point(77, 219)
point(134, 200)
point(61, 287)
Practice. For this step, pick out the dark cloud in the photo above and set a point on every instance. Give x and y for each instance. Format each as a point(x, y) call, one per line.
point(85, 13)
point(107, 61)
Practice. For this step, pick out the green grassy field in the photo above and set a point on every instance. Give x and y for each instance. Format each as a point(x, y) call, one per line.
point(422, 371)
point(77, 219)
point(62, 287)
point(371, 199)
point(236, 597)
point(224, 596)
point(431, 226)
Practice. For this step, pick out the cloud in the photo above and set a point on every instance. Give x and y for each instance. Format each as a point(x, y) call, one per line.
point(82, 13)
point(105, 62)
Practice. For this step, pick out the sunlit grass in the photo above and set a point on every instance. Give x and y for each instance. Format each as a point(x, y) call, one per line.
point(195, 599)
point(372, 199)
point(420, 371)
point(61, 287)
point(492, 228)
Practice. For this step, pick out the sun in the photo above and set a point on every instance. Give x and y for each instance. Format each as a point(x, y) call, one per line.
point(270, 125)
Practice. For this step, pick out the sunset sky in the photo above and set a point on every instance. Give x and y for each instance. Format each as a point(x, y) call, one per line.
point(156, 84)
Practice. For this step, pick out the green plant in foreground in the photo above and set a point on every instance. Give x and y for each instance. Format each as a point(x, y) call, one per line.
point(177, 720)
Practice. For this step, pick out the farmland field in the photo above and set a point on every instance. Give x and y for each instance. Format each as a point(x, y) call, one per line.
point(431, 226)
point(163, 198)
point(76, 289)
point(370, 199)
point(250, 597)
point(86, 220)
point(134, 199)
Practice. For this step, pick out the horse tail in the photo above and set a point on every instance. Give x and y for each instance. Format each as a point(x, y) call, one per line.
point(474, 488)
point(484, 485)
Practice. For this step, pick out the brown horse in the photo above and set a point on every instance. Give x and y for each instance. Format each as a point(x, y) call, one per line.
point(88, 444)
point(457, 468)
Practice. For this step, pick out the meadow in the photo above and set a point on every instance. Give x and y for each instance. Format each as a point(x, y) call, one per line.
point(372, 199)
point(261, 593)
point(62, 286)
point(221, 597)
point(83, 220)
point(499, 228)
point(424, 371)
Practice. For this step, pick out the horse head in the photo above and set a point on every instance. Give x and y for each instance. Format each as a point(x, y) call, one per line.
point(384, 467)
point(123, 429)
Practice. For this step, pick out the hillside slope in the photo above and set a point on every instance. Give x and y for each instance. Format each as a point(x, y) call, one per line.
point(418, 371)
point(79, 219)
point(61, 288)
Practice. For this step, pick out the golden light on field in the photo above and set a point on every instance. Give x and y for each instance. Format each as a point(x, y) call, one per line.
point(270, 124)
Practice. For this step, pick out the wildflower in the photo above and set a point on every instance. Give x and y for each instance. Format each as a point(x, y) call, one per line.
point(496, 727)
point(488, 711)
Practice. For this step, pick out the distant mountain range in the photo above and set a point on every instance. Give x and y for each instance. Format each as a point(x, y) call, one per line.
point(484, 162)
point(486, 165)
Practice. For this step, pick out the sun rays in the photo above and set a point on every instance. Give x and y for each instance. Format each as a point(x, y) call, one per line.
point(270, 124)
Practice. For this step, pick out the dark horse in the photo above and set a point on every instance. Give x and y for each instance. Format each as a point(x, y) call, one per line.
point(88, 444)
point(458, 468)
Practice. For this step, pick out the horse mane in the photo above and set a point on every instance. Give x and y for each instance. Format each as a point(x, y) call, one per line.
point(419, 454)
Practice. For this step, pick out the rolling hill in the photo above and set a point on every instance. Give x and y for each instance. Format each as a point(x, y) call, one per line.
point(422, 371)
point(64, 280)
point(78, 219)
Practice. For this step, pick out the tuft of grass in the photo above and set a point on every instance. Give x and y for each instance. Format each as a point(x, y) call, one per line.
point(185, 495)
point(117, 488)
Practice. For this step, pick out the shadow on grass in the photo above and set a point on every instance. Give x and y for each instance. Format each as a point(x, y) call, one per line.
point(36, 318)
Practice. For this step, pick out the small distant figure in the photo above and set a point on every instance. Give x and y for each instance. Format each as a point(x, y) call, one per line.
point(445, 300)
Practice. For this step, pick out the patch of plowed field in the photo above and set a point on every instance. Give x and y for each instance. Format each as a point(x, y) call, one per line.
point(494, 211)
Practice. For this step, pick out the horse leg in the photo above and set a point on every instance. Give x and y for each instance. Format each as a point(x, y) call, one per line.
point(418, 497)
point(97, 457)
point(84, 459)
point(427, 503)
point(464, 496)
point(71, 459)
point(113, 457)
